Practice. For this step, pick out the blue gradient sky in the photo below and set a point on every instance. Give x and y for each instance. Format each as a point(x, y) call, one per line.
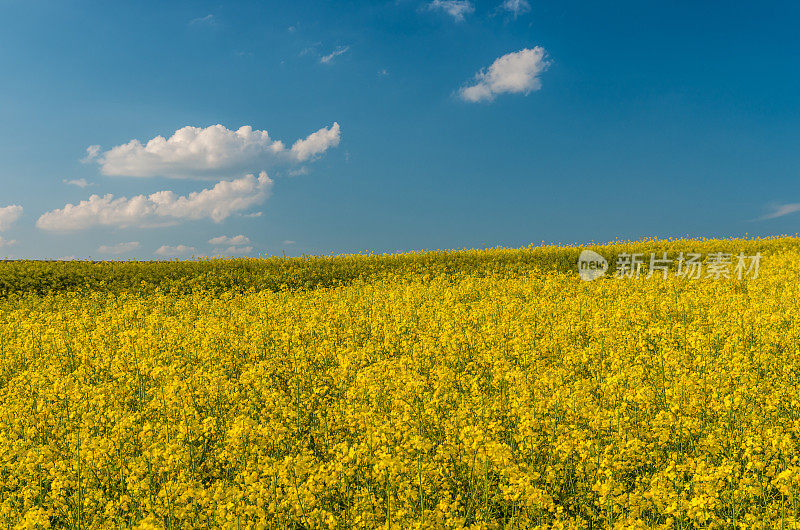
point(660, 120)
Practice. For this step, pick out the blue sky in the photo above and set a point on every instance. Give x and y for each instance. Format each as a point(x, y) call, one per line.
point(391, 126)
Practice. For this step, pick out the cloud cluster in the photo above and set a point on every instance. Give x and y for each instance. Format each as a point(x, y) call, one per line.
point(203, 152)
point(119, 248)
point(457, 9)
point(9, 215)
point(6, 242)
point(161, 208)
point(515, 73)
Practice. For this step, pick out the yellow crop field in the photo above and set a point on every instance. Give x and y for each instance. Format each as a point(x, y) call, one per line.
point(415, 396)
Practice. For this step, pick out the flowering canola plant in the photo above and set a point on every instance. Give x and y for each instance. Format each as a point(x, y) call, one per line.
point(424, 400)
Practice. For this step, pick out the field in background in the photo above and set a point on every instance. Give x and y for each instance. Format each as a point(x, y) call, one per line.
point(482, 389)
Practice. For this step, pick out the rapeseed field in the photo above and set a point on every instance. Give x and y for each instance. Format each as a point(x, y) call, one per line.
point(464, 389)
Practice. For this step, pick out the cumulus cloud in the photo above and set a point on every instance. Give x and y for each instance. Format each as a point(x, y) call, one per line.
point(211, 151)
point(516, 7)
point(316, 143)
point(81, 183)
point(9, 215)
point(161, 208)
point(7, 242)
point(178, 250)
point(514, 73)
point(119, 248)
point(457, 9)
point(225, 240)
point(325, 59)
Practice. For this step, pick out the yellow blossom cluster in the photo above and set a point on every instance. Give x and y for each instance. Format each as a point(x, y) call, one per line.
point(444, 399)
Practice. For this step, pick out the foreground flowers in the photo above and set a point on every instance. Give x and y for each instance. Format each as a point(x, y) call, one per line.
point(419, 400)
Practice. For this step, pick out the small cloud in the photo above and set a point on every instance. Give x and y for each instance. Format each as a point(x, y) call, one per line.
point(308, 50)
point(516, 7)
point(178, 250)
point(92, 152)
point(316, 143)
point(457, 9)
point(291, 29)
point(383, 72)
point(297, 172)
point(779, 210)
point(234, 241)
point(119, 248)
point(289, 242)
point(236, 250)
point(254, 214)
point(81, 183)
point(7, 242)
point(513, 73)
point(9, 215)
point(207, 20)
point(325, 59)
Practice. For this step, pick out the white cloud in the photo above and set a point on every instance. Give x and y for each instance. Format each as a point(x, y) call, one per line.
point(7, 242)
point(514, 73)
point(517, 7)
point(779, 210)
point(81, 183)
point(161, 208)
point(225, 240)
point(457, 9)
point(308, 50)
point(207, 20)
point(289, 242)
point(205, 152)
point(335, 53)
point(235, 250)
point(119, 248)
point(178, 250)
point(92, 152)
point(299, 171)
point(254, 214)
point(9, 215)
point(316, 143)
